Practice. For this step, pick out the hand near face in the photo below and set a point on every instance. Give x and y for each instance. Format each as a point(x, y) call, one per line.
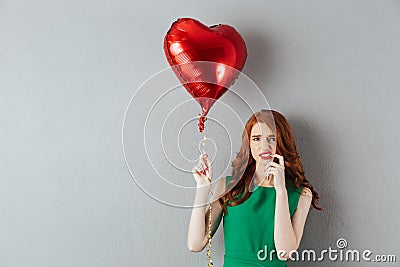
point(277, 171)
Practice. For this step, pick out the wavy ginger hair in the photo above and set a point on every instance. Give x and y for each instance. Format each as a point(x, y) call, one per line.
point(244, 166)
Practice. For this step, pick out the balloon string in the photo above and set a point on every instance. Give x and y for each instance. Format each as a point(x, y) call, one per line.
point(209, 230)
point(204, 142)
point(202, 119)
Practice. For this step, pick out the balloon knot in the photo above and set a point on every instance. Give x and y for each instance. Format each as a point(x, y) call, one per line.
point(202, 119)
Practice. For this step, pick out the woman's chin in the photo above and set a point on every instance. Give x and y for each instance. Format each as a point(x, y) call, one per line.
point(262, 162)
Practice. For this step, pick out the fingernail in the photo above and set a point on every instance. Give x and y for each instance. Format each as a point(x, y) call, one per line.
point(205, 155)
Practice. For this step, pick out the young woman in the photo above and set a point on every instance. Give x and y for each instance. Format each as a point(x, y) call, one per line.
point(264, 203)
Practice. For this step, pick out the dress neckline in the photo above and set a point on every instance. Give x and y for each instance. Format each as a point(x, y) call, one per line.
point(265, 186)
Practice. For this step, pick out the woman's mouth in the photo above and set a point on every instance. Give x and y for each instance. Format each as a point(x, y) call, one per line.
point(266, 155)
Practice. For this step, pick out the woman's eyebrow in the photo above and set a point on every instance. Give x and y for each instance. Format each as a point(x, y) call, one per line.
point(271, 135)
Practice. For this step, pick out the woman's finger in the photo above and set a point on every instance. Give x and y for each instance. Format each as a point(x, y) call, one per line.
point(202, 168)
point(281, 159)
point(208, 164)
point(273, 173)
point(268, 166)
point(196, 168)
point(202, 165)
point(276, 165)
point(205, 160)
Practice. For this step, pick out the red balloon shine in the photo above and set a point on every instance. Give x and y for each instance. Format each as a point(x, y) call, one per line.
point(206, 60)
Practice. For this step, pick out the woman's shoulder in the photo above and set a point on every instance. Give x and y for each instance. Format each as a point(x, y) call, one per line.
point(290, 186)
point(306, 191)
point(301, 191)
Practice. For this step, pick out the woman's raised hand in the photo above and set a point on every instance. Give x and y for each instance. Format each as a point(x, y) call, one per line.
point(202, 171)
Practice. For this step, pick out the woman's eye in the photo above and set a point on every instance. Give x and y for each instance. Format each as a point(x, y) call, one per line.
point(270, 139)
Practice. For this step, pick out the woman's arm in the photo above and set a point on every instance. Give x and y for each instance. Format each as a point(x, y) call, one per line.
point(288, 232)
point(199, 220)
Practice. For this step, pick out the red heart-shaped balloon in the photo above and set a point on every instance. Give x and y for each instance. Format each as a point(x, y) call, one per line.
point(206, 60)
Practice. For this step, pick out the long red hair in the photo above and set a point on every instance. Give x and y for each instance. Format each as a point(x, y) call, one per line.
point(244, 166)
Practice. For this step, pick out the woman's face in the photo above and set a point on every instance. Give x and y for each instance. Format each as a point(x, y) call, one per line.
point(262, 143)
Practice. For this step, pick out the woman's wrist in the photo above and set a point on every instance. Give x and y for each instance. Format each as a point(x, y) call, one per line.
point(281, 191)
point(203, 185)
point(204, 182)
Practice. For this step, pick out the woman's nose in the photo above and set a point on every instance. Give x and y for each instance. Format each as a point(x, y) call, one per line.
point(266, 146)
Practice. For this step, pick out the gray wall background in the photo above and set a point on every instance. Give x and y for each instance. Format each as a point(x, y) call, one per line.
point(69, 68)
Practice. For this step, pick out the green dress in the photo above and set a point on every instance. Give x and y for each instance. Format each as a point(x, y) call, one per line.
point(249, 228)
